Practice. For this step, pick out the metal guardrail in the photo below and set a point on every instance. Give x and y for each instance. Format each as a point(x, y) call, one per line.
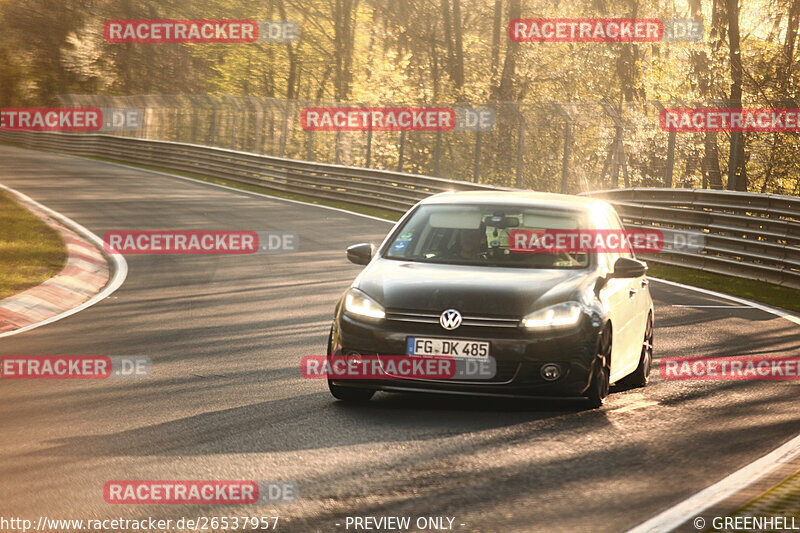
point(394, 191)
point(748, 235)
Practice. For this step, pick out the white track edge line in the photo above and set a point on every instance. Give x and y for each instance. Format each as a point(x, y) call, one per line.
point(694, 505)
point(116, 280)
point(767, 309)
point(742, 478)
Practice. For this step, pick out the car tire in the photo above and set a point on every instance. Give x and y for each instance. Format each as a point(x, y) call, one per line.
point(346, 394)
point(600, 383)
point(641, 375)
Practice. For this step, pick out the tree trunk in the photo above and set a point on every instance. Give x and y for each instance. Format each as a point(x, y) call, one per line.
point(712, 176)
point(459, 45)
point(291, 78)
point(496, 36)
point(448, 39)
point(343, 43)
point(505, 90)
point(737, 174)
point(784, 88)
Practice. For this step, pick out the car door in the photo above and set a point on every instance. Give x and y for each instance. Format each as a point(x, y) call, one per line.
point(619, 308)
point(614, 296)
point(621, 298)
point(637, 307)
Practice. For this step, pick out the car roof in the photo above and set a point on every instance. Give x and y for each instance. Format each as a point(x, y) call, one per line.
point(527, 198)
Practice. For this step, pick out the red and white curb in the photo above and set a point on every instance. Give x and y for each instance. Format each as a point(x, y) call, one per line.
point(88, 277)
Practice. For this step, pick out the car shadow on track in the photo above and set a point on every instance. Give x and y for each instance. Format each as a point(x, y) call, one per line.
point(316, 421)
point(454, 403)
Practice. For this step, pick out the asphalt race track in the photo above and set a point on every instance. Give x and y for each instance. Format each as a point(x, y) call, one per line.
point(226, 399)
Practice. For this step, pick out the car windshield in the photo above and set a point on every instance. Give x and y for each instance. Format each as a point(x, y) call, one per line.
point(479, 235)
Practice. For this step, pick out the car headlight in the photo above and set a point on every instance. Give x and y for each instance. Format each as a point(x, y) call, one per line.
point(358, 303)
point(566, 314)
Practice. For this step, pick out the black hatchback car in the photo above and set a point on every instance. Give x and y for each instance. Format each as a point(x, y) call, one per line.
point(561, 324)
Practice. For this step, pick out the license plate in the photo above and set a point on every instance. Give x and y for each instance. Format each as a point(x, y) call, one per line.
point(451, 347)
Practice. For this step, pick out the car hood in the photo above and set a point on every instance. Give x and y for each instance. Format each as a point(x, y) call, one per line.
point(473, 290)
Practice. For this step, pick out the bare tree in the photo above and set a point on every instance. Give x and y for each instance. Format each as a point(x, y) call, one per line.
point(737, 173)
point(712, 176)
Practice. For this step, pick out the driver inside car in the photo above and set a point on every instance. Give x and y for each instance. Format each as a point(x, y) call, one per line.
point(471, 244)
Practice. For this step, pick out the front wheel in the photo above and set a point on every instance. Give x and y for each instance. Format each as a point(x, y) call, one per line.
point(598, 388)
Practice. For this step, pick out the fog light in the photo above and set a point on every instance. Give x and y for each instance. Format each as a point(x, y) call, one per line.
point(551, 372)
point(352, 356)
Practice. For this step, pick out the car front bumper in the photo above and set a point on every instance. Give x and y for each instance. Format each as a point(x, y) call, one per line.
point(519, 355)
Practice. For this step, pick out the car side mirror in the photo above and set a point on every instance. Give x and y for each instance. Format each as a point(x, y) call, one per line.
point(626, 267)
point(360, 254)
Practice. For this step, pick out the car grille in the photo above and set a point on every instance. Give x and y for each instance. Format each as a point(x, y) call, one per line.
point(506, 370)
point(467, 320)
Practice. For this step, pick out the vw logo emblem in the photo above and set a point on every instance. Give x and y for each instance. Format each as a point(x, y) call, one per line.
point(450, 319)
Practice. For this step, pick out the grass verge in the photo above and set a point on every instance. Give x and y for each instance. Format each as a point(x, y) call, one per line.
point(31, 252)
point(758, 291)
